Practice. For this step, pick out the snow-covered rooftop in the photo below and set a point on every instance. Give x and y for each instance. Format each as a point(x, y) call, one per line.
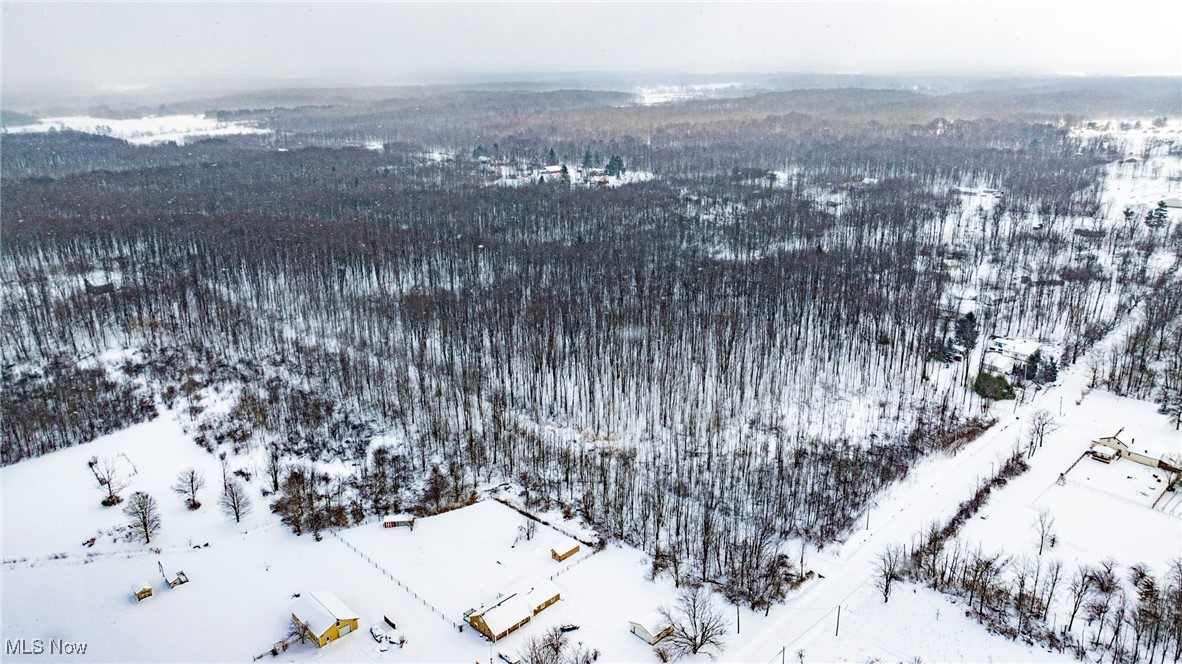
point(541, 592)
point(508, 613)
point(1019, 349)
point(568, 544)
point(654, 623)
point(321, 609)
point(998, 363)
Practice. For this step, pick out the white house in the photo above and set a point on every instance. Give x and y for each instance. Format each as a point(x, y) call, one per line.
point(1019, 350)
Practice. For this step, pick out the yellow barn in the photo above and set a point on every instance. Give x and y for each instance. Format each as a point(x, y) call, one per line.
point(565, 549)
point(502, 619)
point(323, 617)
point(514, 611)
point(542, 595)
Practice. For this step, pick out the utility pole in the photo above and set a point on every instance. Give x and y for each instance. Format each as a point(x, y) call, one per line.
point(838, 630)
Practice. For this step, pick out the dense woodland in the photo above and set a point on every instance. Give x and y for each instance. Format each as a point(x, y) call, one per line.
point(736, 352)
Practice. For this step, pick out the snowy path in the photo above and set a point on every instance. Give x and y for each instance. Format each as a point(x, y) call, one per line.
point(932, 493)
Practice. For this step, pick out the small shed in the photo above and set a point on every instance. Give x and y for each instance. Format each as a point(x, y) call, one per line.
point(565, 549)
point(321, 616)
point(542, 595)
point(503, 618)
point(142, 590)
point(652, 629)
point(399, 521)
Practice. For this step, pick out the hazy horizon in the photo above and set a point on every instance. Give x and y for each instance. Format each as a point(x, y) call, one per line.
point(118, 47)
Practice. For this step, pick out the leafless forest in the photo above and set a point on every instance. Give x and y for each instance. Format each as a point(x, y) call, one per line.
point(734, 351)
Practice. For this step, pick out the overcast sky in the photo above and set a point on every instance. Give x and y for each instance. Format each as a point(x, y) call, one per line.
point(148, 43)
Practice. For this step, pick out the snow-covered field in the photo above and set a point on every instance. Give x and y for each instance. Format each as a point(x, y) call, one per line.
point(1100, 510)
point(664, 94)
point(148, 130)
point(243, 576)
point(242, 584)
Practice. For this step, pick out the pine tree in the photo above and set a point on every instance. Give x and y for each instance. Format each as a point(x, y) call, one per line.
point(1158, 216)
point(967, 330)
point(615, 166)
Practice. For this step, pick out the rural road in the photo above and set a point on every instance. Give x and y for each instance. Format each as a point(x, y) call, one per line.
point(932, 493)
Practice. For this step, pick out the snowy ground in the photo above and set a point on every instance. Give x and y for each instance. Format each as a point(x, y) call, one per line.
point(931, 494)
point(242, 583)
point(149, 130)
point(460, 559)
point(1101, 510)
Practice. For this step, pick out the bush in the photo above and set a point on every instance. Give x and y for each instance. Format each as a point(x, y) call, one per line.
point(993, 387)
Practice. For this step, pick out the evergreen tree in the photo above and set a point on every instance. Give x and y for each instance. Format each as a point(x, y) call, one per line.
point(967, 330)
point(1158, 216)
point(615, 166)
point(993, 387)
point(587, 162)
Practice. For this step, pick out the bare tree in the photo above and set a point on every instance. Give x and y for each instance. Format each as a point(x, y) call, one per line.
point(144, 514)
point(274, 466)
point(235, 501)
point(225, 469)
point(188, 483)
point(1079, 588)
point(1042, 424)
point(1044, 529)
point(886, 570)
point(554, 647)
point(106, 474)
point(698, 624)
point(545, 649)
